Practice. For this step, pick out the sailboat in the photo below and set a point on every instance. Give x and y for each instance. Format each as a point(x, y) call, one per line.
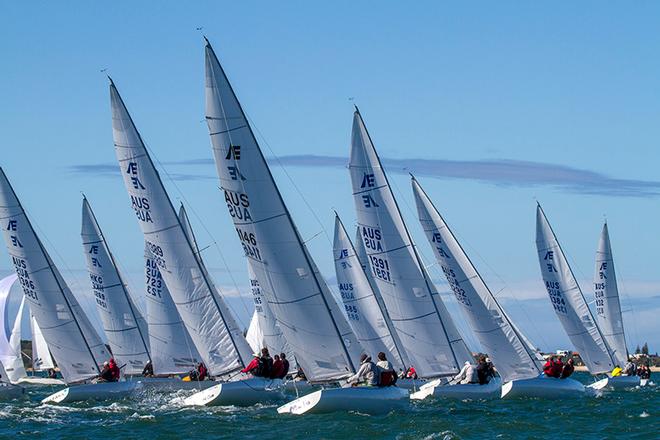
point(517, 361)
point(568, 301)
point(10, 344)
point(73, 341)
point(216, 335)
point(608, 313)
point(432, 342)
point(42, 360)
point(8, 390)
point(365, 311)
point(301, 302)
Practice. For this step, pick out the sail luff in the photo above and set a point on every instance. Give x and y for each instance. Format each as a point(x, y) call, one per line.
point(498, 336)
point(567, 299)
point(255, 223)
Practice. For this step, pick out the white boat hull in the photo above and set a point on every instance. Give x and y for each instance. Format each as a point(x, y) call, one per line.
point(460, 391)
point(545, 387)
point(94, 391)
point(617, 383)
point(241, 393)
point(369, 400)
point(9, 391)
point(40, 381)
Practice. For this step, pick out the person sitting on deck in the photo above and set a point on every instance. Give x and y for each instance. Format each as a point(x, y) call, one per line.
point(148, 370)
point(644, 372)
point(261, 365)
point(568, 369)
point(368, 372)
point(114, 368)
point(467, 375)
point(616, 371)
point(386, 370)
point(202, 371)
point(276, 372)
point(485, 370)
point(629, 369)
point(553, 367)
point(285, 366)
point(411, 373)
point(300, 375)
point(52, 374)
point(106, 374)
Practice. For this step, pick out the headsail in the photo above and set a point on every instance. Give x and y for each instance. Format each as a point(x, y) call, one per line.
point(41, 357)
point(369, 321)
point(567, 299)
point(123, 323)
point(172, 349)
point(433, 344)
point(74, 343)
point(306, 312)
point(218, 339)
point(608, 305)
point(254, 335)
point(498, 337)
point(10, 343)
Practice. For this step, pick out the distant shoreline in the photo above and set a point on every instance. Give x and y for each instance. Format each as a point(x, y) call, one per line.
point(584, 369)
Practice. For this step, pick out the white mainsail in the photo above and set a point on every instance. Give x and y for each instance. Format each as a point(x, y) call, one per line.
point(171, 348)
point(369, 321)
point(72, 339)
point(433, 344)
point(10, 342)
point(41, 357)
point(218, 339)
point(498, 337)
point(123, 323)
point(608, 305)
point(267, 324)
point(297, 295)
point(567, 299)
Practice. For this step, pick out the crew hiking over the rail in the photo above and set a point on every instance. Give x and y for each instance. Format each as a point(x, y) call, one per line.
point(553, 367)
point(467, 375)
point(280, 367)
point(367, 374)
point(261, 365)
point(485, 370)
point(387, 374)
point(110, 372)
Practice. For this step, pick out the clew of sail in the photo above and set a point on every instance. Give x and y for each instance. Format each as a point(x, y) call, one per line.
point(427, 331)
point(123, 323)
point(218, 339)
point(608, 305)
point(498, 337)
point(567, 299)
point(369, 321)
point(72, 339)
point(298, 297)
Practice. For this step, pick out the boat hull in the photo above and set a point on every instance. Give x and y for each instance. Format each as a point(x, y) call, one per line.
point(545, 387)
point(240, 393)
point(369, 400)
point(94, 391)
point(460, 391)
point(617, 383)
point(9, 391)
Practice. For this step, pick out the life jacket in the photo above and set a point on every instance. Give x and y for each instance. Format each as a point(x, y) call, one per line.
point(547, 368)
point(557, 367)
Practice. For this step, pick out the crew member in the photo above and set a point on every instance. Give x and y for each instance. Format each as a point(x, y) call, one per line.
point(368, 373)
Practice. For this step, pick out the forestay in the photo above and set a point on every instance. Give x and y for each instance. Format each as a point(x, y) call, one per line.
point(123, 323)
point(218, 339)
point(10, 342)
point(427, 331)
point(608, 305)
point(567, 299)
point(41, 357)
point(74, 343)
point(498, 337)
point(298, 297)
point(172, 349)
point(368, 320)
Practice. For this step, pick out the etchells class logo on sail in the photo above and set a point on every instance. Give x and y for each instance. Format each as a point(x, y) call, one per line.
point(140, 204)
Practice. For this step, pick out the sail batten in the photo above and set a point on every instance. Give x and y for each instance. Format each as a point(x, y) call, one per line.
point(431, 340)
point(498, 337)
point(219, 341)
point(289, 280)
point(567, 299)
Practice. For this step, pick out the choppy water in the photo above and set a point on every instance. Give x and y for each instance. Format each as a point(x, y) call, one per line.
point(616, 414)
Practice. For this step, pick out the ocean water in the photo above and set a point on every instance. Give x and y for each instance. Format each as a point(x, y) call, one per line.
point(629, 414)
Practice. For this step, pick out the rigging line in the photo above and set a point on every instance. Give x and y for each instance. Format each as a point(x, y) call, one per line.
point(152, 153)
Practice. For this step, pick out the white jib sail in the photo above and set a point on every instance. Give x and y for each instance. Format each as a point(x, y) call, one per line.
point(172, 349)
point(364, 312)
point(254, 335)
point(267, 324)
point(312, 323)
point(123, 323)
point(10, 343)
point(218, 339)
point(41, 357)
point(72, 339)
point(427, 331)
point(567, 299)
point(608, 305)
point(498, 337)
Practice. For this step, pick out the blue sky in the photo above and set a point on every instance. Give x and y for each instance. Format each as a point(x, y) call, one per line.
point(492, 106)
